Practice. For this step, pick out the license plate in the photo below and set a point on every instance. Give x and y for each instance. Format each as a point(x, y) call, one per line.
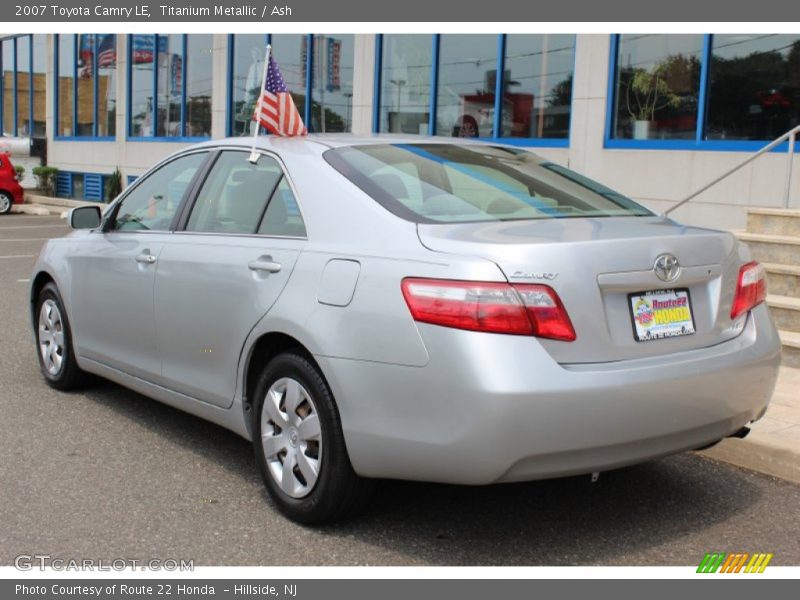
point(661, 314)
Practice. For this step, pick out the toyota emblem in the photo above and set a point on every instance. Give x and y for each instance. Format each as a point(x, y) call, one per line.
point(667, 267)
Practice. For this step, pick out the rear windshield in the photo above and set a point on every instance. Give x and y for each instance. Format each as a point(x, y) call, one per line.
point(449, 183)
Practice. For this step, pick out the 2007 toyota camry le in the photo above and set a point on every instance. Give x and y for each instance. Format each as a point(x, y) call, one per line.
point(408, 308)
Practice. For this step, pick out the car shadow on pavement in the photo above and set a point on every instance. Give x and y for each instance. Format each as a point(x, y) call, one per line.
point(628, 513)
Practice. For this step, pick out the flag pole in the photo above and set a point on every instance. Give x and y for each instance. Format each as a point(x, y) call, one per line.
point(253, 154)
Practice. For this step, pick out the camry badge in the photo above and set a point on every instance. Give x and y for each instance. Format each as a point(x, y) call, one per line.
point(667, 267)
point(535, 275)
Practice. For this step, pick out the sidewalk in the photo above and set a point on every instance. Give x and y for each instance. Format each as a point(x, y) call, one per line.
point(773, 446)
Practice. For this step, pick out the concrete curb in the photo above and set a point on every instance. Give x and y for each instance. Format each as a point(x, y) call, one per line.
point(30, 209)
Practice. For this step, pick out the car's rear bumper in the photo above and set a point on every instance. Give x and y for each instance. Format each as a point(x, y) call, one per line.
point(17, 193)
point(490, 408)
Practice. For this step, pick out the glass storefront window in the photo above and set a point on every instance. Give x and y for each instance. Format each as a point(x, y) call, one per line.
point(248, 67)
point(183, 85)
point(199, 69)
point(657, 83)
point(537, 85)
point(332, 83)
point(754, 86)
point(290, 52)
point(405, 83)
point(39, 84)
point(23, 82)
point(142, 57)
point(106, 45)
point(466, 87)
point(66, 83)
point(85, 70)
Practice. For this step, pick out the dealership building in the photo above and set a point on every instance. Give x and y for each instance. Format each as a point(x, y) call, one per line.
point(654, 116)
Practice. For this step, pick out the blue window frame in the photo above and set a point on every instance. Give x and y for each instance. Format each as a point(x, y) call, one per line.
point(701, 136)
point(169, 87)
point(85, 81)
point(317, 68)
point(519, 86)
point(22, 85)
point(82, 186)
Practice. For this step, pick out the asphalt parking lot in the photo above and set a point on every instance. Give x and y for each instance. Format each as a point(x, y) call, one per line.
point(107, 473)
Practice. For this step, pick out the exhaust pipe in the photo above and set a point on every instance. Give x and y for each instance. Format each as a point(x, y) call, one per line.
point(741, 434)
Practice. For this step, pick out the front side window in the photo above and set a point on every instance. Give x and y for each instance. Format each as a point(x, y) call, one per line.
point(657, 83)
point(152, 204)
point(445, 183)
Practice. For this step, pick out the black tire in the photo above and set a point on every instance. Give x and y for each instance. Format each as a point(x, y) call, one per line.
point(338, 492)
point(6, 202)
point(69, 376)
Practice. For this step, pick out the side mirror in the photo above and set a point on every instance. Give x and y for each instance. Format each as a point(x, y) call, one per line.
point(84, 217)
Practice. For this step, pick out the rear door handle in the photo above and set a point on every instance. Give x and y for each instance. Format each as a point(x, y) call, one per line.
point(265, 264)
point(145, 258)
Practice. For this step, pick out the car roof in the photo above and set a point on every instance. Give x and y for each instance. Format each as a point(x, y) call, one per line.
point(339, 140)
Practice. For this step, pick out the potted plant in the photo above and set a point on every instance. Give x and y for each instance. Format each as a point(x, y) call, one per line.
point(648, 92)
point(20, 172)
point(114, 184)
point(46, 179)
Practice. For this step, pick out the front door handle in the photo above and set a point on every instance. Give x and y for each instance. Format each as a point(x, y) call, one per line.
point(264, 263)
point(145, 258)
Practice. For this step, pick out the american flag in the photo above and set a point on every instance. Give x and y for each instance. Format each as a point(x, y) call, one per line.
point(276, 111)
point(107, 51)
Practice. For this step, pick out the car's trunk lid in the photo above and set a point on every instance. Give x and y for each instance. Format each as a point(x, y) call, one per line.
point(595, 264)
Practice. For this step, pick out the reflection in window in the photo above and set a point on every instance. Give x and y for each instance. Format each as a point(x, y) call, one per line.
point(754, 86)
point(7, 88)
point(198, 85)
point(170, 86)
point(142, 57)
point(332, 83)
point(39, 84)
point(66, 81)
point(466, 87)
point(248, 67)
point(106, 51)
point(22, 74)
point(290, 52)
point(85, 70)
point(537, 85)
point(183, 85)
point(656, 86)
point(405, 83)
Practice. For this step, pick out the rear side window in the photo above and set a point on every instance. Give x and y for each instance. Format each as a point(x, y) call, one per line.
point(234, 195)
point(152, 204)
point(449, 183)
point(283, 215)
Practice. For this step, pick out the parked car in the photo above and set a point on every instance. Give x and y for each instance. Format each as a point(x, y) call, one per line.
point(11, 192)
point(399, 307)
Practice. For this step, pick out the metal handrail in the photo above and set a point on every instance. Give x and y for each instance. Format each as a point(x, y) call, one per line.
point(791, 135)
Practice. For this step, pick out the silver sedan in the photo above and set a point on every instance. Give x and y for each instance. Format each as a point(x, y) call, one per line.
point(407, 308)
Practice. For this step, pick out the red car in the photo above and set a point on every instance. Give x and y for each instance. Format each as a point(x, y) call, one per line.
point(10, 190)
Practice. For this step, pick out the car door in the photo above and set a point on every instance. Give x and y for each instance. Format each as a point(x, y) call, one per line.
point(114, 271)
point(222, 271)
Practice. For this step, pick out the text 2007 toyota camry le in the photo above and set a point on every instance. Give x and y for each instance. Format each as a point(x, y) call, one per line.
point(392, 307)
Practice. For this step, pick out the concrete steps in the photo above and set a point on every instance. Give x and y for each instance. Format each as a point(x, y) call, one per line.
point(773, 236)
point(783, 280)
point(773, 248)
point(774, 221)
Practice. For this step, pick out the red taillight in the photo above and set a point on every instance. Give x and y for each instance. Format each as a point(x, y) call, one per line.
point(491, 307)
point(751, 289)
